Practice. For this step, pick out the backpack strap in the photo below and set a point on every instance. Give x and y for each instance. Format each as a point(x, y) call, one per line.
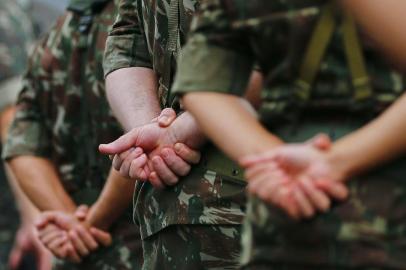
point(355, 60)
point(315, 51)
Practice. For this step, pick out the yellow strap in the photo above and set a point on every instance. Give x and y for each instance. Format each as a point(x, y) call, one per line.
point(355, 60)
point(315, 51)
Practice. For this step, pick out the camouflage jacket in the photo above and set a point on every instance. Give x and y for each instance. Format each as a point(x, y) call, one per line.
point(363, 232)
point(62, 107)
point(17, 35)
point(140, 39)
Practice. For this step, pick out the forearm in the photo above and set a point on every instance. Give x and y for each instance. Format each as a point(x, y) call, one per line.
point(381, 140)
point(383, 20)
point(227, 122)
point(132, 94)
point(38, 179)
point(115, 198)
point(28, 212)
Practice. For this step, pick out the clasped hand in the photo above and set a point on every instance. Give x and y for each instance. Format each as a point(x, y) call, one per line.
point(157, 151)
point(299, 178)
point(69, 236)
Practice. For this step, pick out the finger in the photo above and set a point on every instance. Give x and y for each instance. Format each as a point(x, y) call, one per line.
point(102, 237)
point(126, 164)
point(176, 164)
point(258, 169)
point(250, 160)
point(81, 212)
point(317, 197)
point(138, 168)
point(57, 243)
point(187, 154)
point(167, 116)
point(41, 233)
point(62, 251)
point(51, 236)
point(44, 260)
point(14, 260)
point(303, 203)
point(119, 159)
point(44, 219)
point(86, 237)
point(156, 181)
point(78, 243)
point(336, 190)
point(283, 197)
point(164, 173)
point(321, 141)
point(72, 255)
point(120, 145)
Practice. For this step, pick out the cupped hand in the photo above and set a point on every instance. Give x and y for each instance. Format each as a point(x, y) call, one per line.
point(299, 178)
point(152, 152)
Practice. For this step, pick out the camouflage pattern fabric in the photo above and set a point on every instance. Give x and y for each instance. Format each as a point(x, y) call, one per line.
point(367, 230)
point(16, 36)
point(204, 197)
point(63, 115)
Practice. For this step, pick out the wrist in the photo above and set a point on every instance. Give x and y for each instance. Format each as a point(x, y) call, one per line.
point(341, 163)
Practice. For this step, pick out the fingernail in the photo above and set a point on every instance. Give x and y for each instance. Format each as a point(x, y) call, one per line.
point(163, 119)
point(177, 147)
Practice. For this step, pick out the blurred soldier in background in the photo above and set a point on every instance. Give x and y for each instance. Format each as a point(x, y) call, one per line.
point(62, 116)
point(17, 35)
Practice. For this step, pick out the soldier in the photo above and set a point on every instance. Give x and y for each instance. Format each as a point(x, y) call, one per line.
point(333, 89)
point(62, 107)
point(197, 212)
point(17, 36)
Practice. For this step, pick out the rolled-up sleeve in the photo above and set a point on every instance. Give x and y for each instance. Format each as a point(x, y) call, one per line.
point(126, 45)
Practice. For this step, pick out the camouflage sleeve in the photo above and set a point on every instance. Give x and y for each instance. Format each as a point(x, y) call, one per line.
point(28, 134)
point(126, 45)
point(217, 57)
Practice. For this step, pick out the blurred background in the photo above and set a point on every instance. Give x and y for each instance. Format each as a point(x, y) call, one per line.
point(30, 20)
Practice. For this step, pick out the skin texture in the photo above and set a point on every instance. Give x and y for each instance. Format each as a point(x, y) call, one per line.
point(384, 23)
point(137, 105)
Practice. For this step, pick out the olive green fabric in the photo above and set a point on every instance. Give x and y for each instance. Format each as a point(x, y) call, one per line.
point(367, 230)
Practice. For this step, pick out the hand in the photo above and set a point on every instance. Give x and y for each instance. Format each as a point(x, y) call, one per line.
point(68, 238)
point(299, 178)
point(27, 242)
point(153, 152)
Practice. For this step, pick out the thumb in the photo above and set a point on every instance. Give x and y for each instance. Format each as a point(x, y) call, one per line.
point(120, 145)
point(81, 212)
point(167, 116)
point(102, 237)
point(251, 160)
point(44, 219)
point(320, 141)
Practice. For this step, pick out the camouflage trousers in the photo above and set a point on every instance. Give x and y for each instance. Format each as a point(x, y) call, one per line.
point(367, 231)
point(193, 247)
point(124, 254)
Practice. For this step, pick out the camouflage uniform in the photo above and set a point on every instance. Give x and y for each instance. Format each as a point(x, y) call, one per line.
point(365, 231)
point(195, 224)
point(63, 115)
point(16, 35)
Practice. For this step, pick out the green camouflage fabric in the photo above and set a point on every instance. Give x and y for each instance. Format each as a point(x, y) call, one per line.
point(63, 115)
point(16, 36)
point(367, 230)
point(205, 197)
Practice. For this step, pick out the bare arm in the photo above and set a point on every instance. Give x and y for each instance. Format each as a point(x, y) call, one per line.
point(225, 120)
point(113, 201)
point(132, 94)
point(379, 141)
point(40, 182)
point(384, 21)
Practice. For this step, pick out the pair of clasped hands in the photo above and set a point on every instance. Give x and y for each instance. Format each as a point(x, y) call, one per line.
point(300, 178)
